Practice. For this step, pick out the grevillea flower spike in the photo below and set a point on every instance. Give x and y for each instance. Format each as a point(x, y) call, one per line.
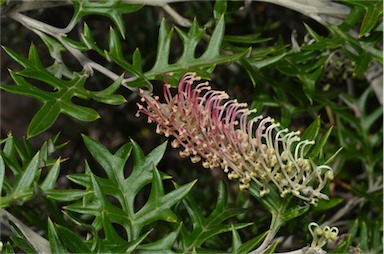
point(210, 127)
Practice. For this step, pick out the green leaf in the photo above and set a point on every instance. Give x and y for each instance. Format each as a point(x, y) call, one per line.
point(309, 82)
point(43, 119)
point(343, 246)
point(58, 99)
point(2, 173)
point(164, 42)
point(158, 205)
point(54, 241)
point(364, 59)
point(71, 241)
point(245, 39)
point(324, 205)
point(272, 248)
point(9, 249)
point(373, 12)
point(95, 200)
point(219, 9)
point(363, 238)
point(236, 240)
point(261, 63)
point(252, 243)
point(50, 180)
point(163, 245)
point(136, 60)
point(206, 228)
point(314, 35)
point(66, 195)
point(187, 62)
point(312, 130)
point(26, 179)
point(213, 49)
point(318, 148)
point(111, 9)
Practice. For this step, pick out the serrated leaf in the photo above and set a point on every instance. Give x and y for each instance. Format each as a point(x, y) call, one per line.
point(125, 190)
point(60, 98)
point(202, 65)
point(111, 9)
point(164, 42)
point(158, 205)
point(206, 228)
point(110, 163)
point(213, 49)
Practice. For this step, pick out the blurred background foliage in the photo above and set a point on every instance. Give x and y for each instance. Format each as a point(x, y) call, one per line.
point(289, 66)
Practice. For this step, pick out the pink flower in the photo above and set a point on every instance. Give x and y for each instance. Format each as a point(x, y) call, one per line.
point(225, 134)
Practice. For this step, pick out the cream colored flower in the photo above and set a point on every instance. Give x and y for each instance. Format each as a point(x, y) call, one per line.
point(225, 134)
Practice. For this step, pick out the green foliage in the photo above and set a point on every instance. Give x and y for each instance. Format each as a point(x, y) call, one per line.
point(324, 79)
point(113, 10)
point(206, 228)
point(94, 198)
point(58, 100)
point(26, 168)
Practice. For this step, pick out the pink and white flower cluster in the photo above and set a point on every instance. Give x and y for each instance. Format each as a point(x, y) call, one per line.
point(222, 133)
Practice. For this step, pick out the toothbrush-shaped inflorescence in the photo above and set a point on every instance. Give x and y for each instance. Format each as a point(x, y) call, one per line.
point(223, 134)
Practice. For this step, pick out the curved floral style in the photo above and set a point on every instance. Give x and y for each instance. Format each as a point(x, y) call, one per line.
point(212, 128)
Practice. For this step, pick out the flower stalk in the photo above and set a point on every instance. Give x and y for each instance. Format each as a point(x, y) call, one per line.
point(224, 133)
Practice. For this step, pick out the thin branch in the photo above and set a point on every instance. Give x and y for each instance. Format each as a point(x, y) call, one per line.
point(341, 212)
point(321, 11)
point(176, 16)
point(88, 65)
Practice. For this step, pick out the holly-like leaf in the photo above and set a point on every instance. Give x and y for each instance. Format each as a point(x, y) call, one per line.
point(204, 228)
point(122, 211)
point(58, 99)
point(187, 62)
point(111, 9)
